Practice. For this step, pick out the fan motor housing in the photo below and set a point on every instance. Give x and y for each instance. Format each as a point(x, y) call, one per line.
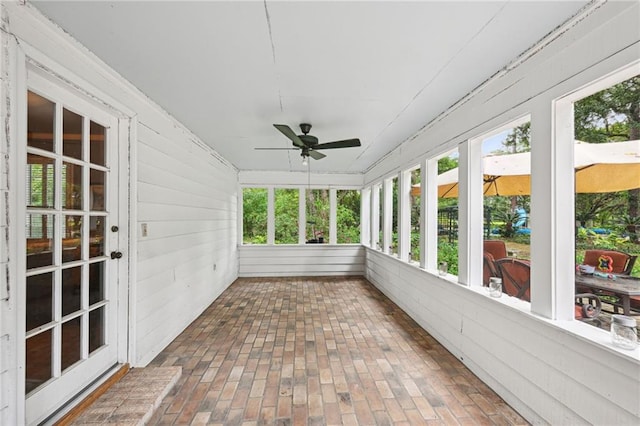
point(308, 140)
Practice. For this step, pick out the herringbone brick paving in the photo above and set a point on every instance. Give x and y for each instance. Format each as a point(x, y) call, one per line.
point(318, 351)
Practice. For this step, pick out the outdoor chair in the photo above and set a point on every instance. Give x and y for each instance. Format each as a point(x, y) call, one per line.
point(622, 262)
point(516, 281)
point(497, 248)
point(489, 268)
point(516, 277)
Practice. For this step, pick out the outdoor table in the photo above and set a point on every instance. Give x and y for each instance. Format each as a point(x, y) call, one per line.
point(623, 286)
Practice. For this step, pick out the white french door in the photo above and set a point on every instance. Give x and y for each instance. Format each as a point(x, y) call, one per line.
point(71, 243)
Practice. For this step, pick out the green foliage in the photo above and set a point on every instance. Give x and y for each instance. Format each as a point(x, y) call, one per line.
point(612, 114)
point(317, 205)
point(518, 140)
point(348, 216)
point(446, 164)
point(448, 252)
point(508, 218)
point(286, 211)
point(254, 215)
point(415, 245)
point(588, 239)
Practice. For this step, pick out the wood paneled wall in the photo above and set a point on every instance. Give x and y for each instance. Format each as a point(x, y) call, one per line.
point(186, 198)
point(545, 370)
point(308, 260)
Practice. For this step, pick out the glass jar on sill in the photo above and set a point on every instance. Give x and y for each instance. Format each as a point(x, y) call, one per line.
point(443, 268)
point(623, 332)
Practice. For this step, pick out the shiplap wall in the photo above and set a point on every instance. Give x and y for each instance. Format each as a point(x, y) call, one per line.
point(187, 199)
point(308, 260)
point(7, 322)
point(548, 373)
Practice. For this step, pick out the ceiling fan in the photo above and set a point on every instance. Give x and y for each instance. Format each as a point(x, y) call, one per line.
point(308, 144)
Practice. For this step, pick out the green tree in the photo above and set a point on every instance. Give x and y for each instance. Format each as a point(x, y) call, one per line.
point(286, 212)
point(254, 215)
point(348, 216)
point(518, 140)
point(610, 115)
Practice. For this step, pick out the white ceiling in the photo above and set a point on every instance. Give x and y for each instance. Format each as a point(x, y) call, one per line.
point(378, 71)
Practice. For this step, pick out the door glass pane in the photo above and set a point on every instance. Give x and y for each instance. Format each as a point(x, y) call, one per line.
point(97, 146)
point(38, 357)
point(96, 329)
point(71, 287)
point(71, 134)
point(96, 282)
point(71, 238)
point(70, 343)
point(40, 119)
point(39, 181)
point(71, 186)
point(96, 231)
point(39, 300)
point(96, 179)
point(39, 232)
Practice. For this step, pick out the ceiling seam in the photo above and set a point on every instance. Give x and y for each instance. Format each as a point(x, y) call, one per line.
point(440, 71)
point(578, 17)
point(273, 47)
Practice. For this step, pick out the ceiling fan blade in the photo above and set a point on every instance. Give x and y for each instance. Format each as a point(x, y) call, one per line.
point(286, 130)
point(316, 155)
point(276, 149)
point(347, 143)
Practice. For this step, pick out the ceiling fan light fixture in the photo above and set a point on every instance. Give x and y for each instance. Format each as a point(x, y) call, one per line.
point(305, 160)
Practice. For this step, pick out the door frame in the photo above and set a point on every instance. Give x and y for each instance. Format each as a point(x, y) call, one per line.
point(27, 60)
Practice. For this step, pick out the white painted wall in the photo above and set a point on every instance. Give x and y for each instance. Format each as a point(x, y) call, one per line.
point(187, 199)
point(306, 260)
point(8, 391)
point(551, 371)
point(184, 192)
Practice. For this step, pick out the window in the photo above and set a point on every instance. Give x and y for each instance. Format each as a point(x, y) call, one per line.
point(607, 183)
point(414, 205)
point(317, 205)
point(376, 216)
point(394, 216)
point(286, 216)
point(506, 171)
point(254, 219)
point(348, 216)
point(448, 211)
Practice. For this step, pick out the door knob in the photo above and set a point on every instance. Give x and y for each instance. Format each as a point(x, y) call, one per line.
point(116, 254)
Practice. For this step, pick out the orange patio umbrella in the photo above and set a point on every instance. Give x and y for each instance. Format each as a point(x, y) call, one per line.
point(603, 167)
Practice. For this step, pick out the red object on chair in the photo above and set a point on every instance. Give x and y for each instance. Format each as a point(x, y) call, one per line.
point(622, 262)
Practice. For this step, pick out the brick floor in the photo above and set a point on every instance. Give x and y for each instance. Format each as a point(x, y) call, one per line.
point(318, 351)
